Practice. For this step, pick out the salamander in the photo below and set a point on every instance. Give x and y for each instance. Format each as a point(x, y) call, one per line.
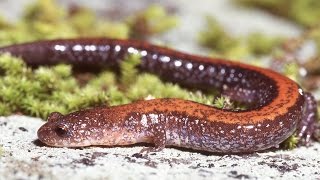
point(278, 106)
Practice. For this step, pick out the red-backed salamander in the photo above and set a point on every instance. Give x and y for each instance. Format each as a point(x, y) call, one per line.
point(278, 106)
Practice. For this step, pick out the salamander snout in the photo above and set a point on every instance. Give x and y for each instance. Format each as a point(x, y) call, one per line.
point(61, 131)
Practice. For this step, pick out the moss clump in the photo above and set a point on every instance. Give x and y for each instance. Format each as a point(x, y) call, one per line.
point(291, 142)
point(291, 70)
point(43, 90)
point(304, 12)
point(45, 19)
point(129, 72)
point(153, 20)
point(261, 44)
point(116, 97)
point(4, 24)
point(222, 44)
point(12, 66)
point(82, 20)
point(215, 37)
point(5, 109)
point(1, 150)
point(157, 89)
point(44, 11)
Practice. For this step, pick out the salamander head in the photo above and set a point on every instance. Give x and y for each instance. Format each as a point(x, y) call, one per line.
point(71, 130)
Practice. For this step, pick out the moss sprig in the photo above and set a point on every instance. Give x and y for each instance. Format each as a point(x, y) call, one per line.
point(86, 97)
point(103, 80)
point(152, 86)
point(222, 44)
point(4, 24)
point(291, 70)
point(303, 12)
point(223, 102)
point(215, 37)
point(262, 44)
point(116, 97)
point(45, 19)
point(5, 109)
point(291, 142)
point(153, 20)
point(36, 107)
point(12, 66)
point(1, 150)
point(44, 89)
point(128, 69)
point(44, 11)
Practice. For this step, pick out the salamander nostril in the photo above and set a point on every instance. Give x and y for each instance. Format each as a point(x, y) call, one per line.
point(62, 130)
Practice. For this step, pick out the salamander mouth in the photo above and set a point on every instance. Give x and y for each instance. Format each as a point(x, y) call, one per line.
point(66, 143)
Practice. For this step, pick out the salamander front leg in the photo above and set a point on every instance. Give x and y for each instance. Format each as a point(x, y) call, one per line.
point(159, 139)
point(307, 127)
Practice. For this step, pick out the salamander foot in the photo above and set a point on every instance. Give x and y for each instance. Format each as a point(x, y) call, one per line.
point(308, 128)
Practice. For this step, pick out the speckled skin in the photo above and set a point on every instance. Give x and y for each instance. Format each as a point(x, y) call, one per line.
point(277, 104)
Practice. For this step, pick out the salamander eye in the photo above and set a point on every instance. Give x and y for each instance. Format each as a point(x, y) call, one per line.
point(62, 130)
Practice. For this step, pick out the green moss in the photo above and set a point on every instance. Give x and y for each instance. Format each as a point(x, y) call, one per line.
point(5, 109)
point(129, 72)
point(153, 20)
point(104, 80)
point(85, 97)
point(44, 11)
point(62, 70)
point(14, 89)
point(291, 142)
point(82, 19)
point(43, 30)
point(116, 97)
point(215, 37)
point(315, 35)
point(36, 107)
point(43, 90)
point(152, 86)
point(112, 30)
point(261, 44)
point(291, 70)
point(222, 44)
point(46, 77)
point(304, 12)
point(16, 34)
point(12, 66)
point(1, 150)
point(237, 53)
point(45, 19)
point(4, 24)
point(223, 103)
